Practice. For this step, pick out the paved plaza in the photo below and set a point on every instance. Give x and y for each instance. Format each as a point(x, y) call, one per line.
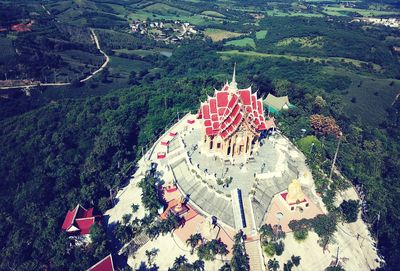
point(276, 163)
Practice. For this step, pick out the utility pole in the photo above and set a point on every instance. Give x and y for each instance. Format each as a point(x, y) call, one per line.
point(335, 156)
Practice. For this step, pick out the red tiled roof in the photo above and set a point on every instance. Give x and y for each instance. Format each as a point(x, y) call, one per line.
point(70, 218)
point(79, 217)
point(165, 143)
point(223, 113)
point(84, 224)
point(105, 264)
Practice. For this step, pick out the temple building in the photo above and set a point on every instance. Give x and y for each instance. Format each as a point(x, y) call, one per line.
point(233, 120)
point(79, 221)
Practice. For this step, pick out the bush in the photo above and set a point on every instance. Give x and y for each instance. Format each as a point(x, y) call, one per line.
point(301, 234)
point(270, 249)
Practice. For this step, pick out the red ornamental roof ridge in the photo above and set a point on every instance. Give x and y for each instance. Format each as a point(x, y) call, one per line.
point(229, 108)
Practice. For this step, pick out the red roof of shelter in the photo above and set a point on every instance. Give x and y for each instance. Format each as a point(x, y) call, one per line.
point(229, 108)
point(80, 218)
point(105, 264)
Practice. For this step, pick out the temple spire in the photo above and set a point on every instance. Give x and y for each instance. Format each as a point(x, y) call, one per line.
point(233, 85)
point(234, 73)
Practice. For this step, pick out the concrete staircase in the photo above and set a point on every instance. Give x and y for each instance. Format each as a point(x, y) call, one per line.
point(253, 249)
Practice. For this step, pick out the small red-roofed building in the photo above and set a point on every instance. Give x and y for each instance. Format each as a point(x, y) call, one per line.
point(232, 121)
point(79, 220)
point(105, 264)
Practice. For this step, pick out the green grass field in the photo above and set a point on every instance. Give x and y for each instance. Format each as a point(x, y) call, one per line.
point(212, 13)
point(277, 12)
point(138, 52)
point(124, 66)
point(305, 143)
point(219, 34)
point(342, 11)
point(261, 34)
point(242, 42)
point(164, 9)
point(355, 62)
point(195, 19)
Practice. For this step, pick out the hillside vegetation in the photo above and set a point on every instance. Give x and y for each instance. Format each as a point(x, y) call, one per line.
point(67, 145)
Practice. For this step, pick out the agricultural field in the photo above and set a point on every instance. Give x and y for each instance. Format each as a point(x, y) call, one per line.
point(213, 14)
point(242, 42)
point(253, 54)
point(261, 34)
point(124, 66)
point(303, 42)
point(216, 34)
point(344, 11)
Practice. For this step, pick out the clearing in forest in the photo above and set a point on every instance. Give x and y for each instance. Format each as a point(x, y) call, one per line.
point(218, 34)
point(261, 34)
point(164, 9)
point(304, 42)
point(242, 42)
point(212, 13)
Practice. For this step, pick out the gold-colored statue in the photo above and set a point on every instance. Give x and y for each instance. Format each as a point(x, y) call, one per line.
point(295, 194)
point(178, 207)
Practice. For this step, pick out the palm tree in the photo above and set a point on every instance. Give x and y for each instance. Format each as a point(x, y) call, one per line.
point(266, 232)
point(225, 267)
point(179, 261)
point(150, 254)
point(193, 241)
point(198, 265)
point(273, 264)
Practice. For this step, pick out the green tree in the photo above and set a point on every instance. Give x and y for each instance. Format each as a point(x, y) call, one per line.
point(151, 254)
point(288, 266)
point(273, 264)
point(240, 259)
point(100, 242)
point(334, 268)
point(266, 232)
point(296, 260)
point(350, 210)
point(193, 241)
point(180, 261)
point(225, 267)
point(198, 265)
point(134, 207)
point(279, 248)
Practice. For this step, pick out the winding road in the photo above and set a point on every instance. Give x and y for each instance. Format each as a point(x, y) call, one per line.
point(104, 65)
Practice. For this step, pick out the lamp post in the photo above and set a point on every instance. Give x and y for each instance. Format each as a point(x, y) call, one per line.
point(335, 156)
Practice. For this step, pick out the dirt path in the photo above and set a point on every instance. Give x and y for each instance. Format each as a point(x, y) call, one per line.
point(104, 65)
point(395, 99)
point(96, 40)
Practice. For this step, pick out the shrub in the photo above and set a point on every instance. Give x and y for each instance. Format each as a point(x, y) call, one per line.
point(270, 249)
point(301, 234)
